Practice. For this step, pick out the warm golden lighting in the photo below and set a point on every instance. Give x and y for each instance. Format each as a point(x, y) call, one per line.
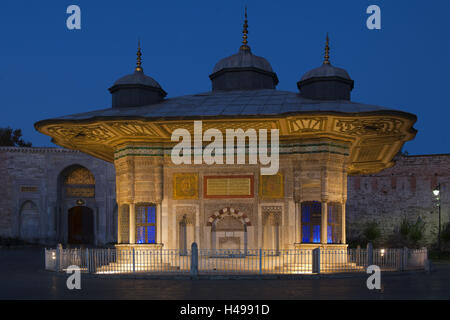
point(436, 191)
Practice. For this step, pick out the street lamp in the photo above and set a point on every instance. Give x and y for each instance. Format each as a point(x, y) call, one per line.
point(436, 192)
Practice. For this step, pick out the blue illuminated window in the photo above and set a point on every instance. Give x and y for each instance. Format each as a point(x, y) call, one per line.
point(330, 234)
point(145, 224)
point(306, 233)
point(334, 223)
point(311, 216)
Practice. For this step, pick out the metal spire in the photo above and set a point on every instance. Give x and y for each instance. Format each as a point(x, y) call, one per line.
point(327, 51)
point(138, 59)
point(244, 45)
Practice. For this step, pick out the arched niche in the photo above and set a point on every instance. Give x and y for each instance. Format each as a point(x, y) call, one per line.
point(229, 230)
point(29, 221)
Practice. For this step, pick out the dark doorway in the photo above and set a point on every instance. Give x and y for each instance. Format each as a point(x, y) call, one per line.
point(81, 225)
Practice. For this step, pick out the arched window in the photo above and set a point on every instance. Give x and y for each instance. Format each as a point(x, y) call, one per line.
point(334, 223)
point(145, 224)
point(311, 221)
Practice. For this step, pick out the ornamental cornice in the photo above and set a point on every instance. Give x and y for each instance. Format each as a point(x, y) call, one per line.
point(373, 140)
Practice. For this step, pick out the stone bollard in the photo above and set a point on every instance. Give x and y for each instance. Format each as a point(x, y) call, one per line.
point(88, 261)
point(405, 258)
point(428, 266)
point(194, 260)
point(316, 260)
point(369, 254)
point(358, 255)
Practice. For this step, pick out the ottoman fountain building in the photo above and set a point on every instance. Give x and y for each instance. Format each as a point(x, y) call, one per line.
point(323, 137)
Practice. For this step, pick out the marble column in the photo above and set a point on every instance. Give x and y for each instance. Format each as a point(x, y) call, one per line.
point(197, 229)
point(343, 234)
point(160, 224)
point(132, 223)
point(298, 223)
point(260, 227)
point(324, 233)
point(119, 215)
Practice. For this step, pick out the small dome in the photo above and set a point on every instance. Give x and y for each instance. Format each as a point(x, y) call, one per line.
point(136, 89)
point(326, 82)
point(243, 71)
point(326, 70)
point(243, 59)
point(137, 78)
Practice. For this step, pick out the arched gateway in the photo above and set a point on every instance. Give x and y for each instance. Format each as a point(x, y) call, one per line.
point(80, 225)
point(76, 221)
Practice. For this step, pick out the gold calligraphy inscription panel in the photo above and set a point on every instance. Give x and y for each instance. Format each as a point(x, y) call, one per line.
point(28, 189)
point(229, 186)
point(185, 186)
point(271, 186)
point(80, 192)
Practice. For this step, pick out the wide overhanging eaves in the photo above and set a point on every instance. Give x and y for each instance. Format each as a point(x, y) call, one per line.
point(374, 137)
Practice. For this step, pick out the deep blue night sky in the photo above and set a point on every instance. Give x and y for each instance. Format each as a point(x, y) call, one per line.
point(47, 70)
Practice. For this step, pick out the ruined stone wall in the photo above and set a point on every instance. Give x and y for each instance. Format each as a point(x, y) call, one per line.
point(405, 190)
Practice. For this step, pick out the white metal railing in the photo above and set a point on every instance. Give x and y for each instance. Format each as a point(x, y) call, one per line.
point(254, 261)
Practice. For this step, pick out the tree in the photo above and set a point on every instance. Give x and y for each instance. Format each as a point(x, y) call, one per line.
point(372, 231)
point(409, 234)
point(12, 138)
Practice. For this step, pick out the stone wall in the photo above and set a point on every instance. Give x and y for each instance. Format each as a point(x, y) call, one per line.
point(405, 190)
point(30, 184)
point(308, 171)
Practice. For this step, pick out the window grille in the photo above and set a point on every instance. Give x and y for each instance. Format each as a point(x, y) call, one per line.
point(145, 224)
point(334, 223)
point(311, 221)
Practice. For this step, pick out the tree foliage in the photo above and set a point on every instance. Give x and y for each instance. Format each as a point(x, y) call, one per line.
point(12, 138)
point(411, 233)
point(445, 233)
point(372, 231)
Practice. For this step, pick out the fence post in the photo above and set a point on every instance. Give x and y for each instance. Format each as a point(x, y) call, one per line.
point(358, 255)
point(405, 258)
point(194, 260)
point(58, 257)
point(316, 260)
point(260, 261)
point(88, 262)
point(425, 258)
point(369, 254)
point(134, 262)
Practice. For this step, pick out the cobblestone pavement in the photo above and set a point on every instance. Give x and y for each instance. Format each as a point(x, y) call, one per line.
point(22, 277)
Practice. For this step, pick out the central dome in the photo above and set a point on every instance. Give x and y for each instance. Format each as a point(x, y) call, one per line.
point(243, 70)
point(243, 59)
point(326, 70)
point(138, 78)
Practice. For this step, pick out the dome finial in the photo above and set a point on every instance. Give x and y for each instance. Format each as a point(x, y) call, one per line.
point(327, 51)
point(138, 59)
point(244, 45)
